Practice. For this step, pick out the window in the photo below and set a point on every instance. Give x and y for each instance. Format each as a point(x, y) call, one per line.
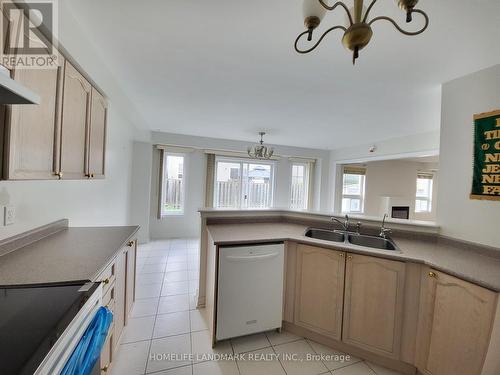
point(353, 190)
point(299, 194)
point(172, 202)
point(423, 203)
point(243, 184)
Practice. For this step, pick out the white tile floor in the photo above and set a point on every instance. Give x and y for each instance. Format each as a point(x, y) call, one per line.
point(164, 320)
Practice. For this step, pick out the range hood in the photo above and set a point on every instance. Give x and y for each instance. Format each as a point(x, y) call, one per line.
point(12, 92)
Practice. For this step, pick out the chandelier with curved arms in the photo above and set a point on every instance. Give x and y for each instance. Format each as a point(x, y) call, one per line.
point(260, 151)
point(358, 31)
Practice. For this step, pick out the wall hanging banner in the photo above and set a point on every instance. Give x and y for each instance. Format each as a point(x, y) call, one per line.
point(486, 177)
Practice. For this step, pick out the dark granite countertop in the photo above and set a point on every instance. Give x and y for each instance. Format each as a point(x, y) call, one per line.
point(69, 254)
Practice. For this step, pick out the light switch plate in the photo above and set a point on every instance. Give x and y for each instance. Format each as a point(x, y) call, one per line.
point(9, 215)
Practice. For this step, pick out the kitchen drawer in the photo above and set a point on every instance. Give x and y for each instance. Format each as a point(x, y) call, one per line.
point(109, 296)
point(107, 277)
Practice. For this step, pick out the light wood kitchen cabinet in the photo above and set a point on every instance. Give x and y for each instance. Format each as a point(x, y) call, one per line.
point(107, 353)
point(32, 131)
point(373, 306)
point(97, 136)
point(130, 284)
point(74, 124)
point(120, 288)
point(64, 137)
point(319, 290)
point(455, 325)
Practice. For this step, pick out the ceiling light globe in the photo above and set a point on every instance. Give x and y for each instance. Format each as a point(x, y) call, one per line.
point(313, 8)
point(406, 4)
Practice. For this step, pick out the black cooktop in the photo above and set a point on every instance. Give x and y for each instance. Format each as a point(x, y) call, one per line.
point(32, 318)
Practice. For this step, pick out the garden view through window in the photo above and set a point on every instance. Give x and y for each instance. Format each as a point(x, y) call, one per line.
point(173, 185)
point(243, 184)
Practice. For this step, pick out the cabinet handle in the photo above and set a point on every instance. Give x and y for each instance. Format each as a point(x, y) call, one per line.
point(432, 274)
point(105, 368)
point(106, 281)
point(349, 257)
point(89, 175)
point(130, 243)
point(58, 174)
point(341, 255)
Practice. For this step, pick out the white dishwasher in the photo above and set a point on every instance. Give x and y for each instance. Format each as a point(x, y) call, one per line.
point(250, 289)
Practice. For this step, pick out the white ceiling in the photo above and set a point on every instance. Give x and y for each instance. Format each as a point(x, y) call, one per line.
point(227, 68)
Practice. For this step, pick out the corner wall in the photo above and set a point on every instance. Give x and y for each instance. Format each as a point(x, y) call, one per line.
point(459, 216)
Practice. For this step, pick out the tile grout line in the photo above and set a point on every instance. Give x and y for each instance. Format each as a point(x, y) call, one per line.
point(152, 333)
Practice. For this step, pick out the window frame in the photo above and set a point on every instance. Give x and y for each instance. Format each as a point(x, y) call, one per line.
point(164, 213)
point(307, 183)
point(361, 196)
point(241, 162)
point(428, 198)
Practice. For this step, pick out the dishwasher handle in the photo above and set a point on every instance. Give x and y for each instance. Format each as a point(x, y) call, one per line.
point(251, 258)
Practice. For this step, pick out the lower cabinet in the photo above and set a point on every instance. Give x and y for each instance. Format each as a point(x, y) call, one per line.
point(130, 285)
point(107, 352)
point(455, 325)
point(373, 306)
point(319, 290)
point(120, 286)
point(359, 302)
point(118, 281)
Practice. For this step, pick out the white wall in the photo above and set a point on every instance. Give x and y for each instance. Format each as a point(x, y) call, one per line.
point(459, 216)
point(142, 164)
point(188, 224)
point(397, 179)
point(84, 203)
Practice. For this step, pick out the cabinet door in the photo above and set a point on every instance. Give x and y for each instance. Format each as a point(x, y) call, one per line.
point(373, 307)
point(32, 138)
point(97, 136)
point(75, 124)
point(130, 288)
point(120, 286)
point(107, 353)
point(319, 290)
point(454, 326)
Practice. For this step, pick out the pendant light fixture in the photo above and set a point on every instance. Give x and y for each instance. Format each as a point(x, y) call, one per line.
point(357, 31)
point(260, 151)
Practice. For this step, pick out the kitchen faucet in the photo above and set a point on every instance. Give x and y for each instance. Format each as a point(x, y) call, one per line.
point(383, 229)
point(345, 224)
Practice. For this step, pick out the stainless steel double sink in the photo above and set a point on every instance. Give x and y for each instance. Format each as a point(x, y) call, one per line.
point(373, 242)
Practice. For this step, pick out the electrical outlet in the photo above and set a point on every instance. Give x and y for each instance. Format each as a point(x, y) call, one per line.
point(9, 215)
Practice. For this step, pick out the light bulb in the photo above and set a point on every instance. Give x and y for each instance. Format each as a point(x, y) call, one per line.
point(407, 5)
point(313, 8)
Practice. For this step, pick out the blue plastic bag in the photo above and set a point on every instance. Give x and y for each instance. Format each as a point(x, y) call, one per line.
point(88, 350)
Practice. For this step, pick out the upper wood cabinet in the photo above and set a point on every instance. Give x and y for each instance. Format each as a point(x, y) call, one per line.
point(373, 306)
point(97, 136)
point(455, 323)
point(319, 290)
point(32, 131)
point(75, 124)
point(62, 137)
